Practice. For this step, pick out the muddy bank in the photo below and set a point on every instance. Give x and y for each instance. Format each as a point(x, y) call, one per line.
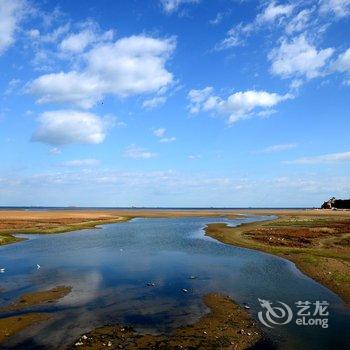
point(46, 222)
point(317, 244)
point(37, 298)
point(227, 326)
point(11, 325)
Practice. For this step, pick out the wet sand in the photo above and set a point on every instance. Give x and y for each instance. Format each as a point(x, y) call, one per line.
point(227, 326)
point(11, 325)
point(37, 298)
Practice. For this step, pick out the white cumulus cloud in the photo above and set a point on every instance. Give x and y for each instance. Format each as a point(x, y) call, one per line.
point(239, 105)
point(64, 127)
point(129, 66)
point(77, 42)
point(299, 58)
point(81, 89)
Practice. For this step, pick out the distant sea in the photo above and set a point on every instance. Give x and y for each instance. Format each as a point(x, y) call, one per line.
point(35, 208)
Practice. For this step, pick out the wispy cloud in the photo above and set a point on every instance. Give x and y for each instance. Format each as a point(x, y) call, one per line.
point(323, 159)
point(81, 162)
point(55, 151)
point(219, 17)
point(170, 6)
point(339, 8)
point(161, 134)
point(12, 85)
point(154, 102)
point(167, 139)
point(277, 148)
point(194, 156)
point(167, 188)
point(11, 13)
point(272, 13)
point(136, 152)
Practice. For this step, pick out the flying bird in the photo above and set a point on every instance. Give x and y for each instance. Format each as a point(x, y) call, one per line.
point(2, 270)
point(38, 266)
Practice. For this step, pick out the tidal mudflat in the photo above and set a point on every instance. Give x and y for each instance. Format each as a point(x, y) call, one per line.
point(152, 274)
point(317, 241)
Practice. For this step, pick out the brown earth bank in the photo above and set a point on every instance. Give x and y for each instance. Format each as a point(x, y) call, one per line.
point(37, 298)
point(317, 241)
point(227, 326)
point(58, 221)
point(11, 325)
point(14, 324)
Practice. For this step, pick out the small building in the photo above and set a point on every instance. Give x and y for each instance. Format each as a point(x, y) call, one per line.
point(334, 204)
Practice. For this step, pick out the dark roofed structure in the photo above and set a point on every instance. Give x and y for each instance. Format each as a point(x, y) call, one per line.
point(334, 203)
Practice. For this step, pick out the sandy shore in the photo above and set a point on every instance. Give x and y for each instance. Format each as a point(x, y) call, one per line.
point(317, 241)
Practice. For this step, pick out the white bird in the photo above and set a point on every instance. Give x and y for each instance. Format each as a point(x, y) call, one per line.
point(2, 270)
point(38, 266)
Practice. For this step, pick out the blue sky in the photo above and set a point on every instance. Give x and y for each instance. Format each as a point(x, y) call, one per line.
point(174, 102)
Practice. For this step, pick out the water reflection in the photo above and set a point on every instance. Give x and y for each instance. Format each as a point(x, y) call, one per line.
point(110, 267)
